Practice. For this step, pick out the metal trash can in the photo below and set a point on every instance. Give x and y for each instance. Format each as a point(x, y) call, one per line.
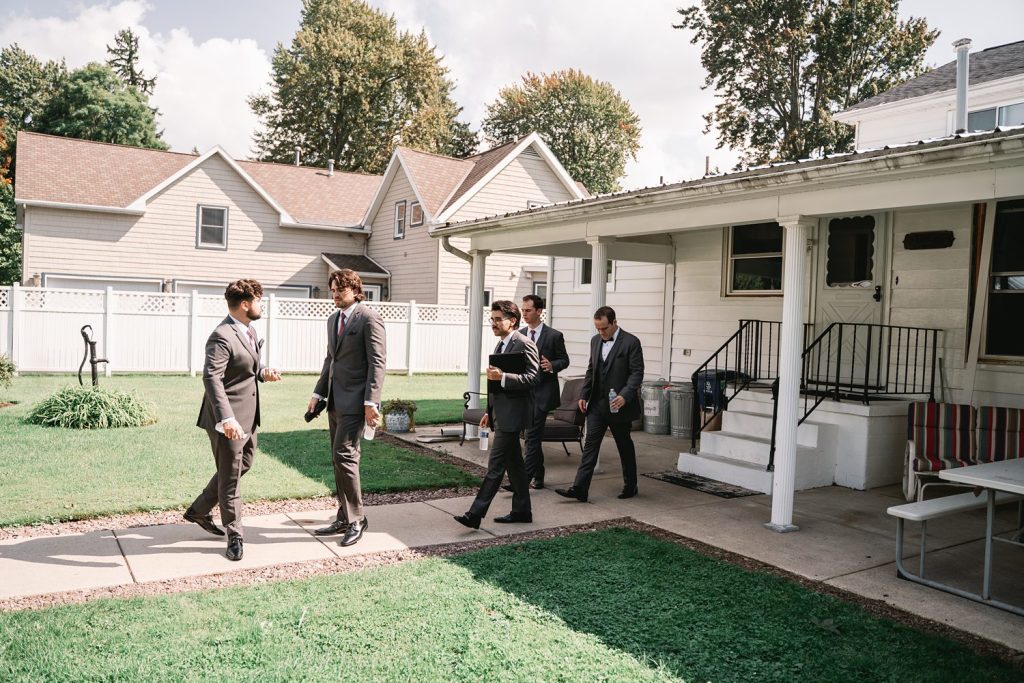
point(656, 410)
point(680, 400)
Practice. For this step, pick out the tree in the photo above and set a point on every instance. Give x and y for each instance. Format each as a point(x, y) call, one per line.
point(351, 87)
point(124, 60)
point(782, 69)
point(94, 104)
point(587, 124)
point(26, 85)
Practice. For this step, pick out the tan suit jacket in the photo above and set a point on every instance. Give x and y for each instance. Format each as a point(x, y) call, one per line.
point(231, 377)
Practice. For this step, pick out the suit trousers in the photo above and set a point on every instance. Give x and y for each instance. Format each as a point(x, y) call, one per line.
point(346, 450)
point(233, 459)
point(506, 454)
point(598, 421)
point(533, 446)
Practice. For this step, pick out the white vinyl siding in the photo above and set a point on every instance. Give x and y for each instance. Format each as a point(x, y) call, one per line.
point(162, 243)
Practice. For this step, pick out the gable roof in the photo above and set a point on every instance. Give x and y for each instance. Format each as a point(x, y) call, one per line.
point(58, 171)
point(991, 64)
point(432, 176)
point(362, 264)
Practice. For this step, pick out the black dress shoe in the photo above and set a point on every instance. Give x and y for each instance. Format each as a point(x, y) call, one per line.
point(354, 533)
point(572, 493)
point(628, 492)
point(234, 552)
point(467, 520)
point(205, 522)
point(537, 484)
point(514, 519)
point(335, 527)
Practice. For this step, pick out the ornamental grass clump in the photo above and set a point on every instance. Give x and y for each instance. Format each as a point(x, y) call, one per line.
point(92, 408)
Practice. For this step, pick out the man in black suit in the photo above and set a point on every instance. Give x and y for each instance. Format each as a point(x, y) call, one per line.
point(553, 359)
point(509, 411)
point(616, 363)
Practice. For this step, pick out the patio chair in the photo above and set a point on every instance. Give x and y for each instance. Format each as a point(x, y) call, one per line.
point(567, 421)
point(471, 416)
point(940, 436)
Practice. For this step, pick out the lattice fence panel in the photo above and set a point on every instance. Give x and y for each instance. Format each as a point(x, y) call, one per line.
point(5, 298)
point(170, 304)
point(71, 300)
point(448, 315)
point(212, 305)
point(303, 308)
point(391, 313)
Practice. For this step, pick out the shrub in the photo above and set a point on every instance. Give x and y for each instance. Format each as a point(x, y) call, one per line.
point(397, 406)
point(92, 408)
point(7, 371)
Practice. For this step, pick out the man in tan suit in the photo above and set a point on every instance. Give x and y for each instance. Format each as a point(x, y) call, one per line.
point(230, 412)
point(351, 381)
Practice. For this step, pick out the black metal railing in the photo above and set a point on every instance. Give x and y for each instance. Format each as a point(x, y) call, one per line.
point(862, 361)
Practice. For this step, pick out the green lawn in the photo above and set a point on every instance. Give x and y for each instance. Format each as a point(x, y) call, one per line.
point(54, 474)
point(613, 606)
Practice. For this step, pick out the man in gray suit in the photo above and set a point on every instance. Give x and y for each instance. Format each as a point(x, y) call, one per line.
point(351, 381)
point(230, 412)
point(509, 411)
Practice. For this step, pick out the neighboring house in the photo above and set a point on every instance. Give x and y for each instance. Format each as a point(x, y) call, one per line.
point(97, 215)
point(918, 248)
point(924, 107)
point(421, 190)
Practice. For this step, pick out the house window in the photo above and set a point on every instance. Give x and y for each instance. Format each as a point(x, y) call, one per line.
point(755, 259)
point(541, 290)
point(371, 292)
point(400, 220)
point(851, 251)
point(417, 215)
point(488, 295)
point(587, 271)
point(1006, 282)
point(988, 119)
point(211, 227)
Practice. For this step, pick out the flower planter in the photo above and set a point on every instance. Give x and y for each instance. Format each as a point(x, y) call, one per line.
point(397, 422)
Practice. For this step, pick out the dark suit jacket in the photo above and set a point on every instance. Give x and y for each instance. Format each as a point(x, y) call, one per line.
point(353, 370)
point(623, 372)
point(550, 345)
point(231, 377)
point(510, 409)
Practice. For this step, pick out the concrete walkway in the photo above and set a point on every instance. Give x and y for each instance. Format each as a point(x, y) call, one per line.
point(845, 540)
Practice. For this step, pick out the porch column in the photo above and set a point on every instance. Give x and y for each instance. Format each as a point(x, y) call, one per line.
point(794, 285)
point(598, 267)
point(476, 326)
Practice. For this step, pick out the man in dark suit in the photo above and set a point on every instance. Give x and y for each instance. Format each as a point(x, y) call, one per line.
point(553, 359)
point(509, 411)
point(230, 412)
point(616, 364)
point(351, 380)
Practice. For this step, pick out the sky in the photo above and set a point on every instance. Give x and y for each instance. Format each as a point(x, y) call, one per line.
point(209, 56)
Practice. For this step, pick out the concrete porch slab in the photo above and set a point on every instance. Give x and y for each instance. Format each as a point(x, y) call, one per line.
point(172, 551)
point(50, 564)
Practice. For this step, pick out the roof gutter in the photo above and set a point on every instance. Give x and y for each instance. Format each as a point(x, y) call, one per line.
point(354, 229)
point(456, 252)
point(68, 206)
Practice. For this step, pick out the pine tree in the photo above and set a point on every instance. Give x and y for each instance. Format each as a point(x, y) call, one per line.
point(124, 60)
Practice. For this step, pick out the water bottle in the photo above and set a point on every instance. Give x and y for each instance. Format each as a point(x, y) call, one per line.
point(483, 439)
point(611, 397)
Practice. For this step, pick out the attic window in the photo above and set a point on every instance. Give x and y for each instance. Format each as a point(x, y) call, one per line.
point(211, 227)
point(531, 151)
point(988, 119)
point(400, 220)
point(417, 215)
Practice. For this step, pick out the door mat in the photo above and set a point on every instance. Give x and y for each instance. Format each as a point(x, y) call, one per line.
point(703, 484)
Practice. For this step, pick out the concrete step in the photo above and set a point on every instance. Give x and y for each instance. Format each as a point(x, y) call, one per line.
point(760, 426)
point(747, 475)
point(752, 402)
point(735, 446)
point(814, 466)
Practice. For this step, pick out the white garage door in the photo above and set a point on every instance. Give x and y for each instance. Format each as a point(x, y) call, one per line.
point(100, 284)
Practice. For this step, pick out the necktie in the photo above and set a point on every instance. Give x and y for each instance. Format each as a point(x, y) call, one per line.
point(497, 349)
point(341, 324)
point(252, 339)
point(533, 336)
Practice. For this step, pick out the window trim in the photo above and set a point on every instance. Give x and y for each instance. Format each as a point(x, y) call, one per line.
point(577, 275)
point(985, 283)
point(727, 260)
point(997, 107)
point(400, 222)
point(379, 289)
point(199, 227)
point(413, 223)
point(488, 291)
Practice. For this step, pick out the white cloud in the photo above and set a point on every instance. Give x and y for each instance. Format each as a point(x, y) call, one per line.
point(201, 90)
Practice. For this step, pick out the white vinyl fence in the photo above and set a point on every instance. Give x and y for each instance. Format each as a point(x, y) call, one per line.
point(144, 332)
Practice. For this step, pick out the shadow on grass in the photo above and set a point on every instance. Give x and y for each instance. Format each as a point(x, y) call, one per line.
point(383, 468)
point(702, 619)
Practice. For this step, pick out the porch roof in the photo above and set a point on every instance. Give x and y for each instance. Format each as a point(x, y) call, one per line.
point(959, 168)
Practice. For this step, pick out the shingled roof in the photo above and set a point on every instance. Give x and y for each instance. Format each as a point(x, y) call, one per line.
point(987, 65)
point(70, 171)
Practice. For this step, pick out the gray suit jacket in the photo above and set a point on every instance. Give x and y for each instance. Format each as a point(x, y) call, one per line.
point(510, 409)
point(231, 377)
point(353, 370)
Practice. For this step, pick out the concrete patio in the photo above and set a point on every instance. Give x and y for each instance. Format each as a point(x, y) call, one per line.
point(845, 540)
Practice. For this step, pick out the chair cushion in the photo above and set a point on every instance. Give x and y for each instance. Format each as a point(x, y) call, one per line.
point(943, 435)
point(557, 430)
point(571, 415)
point(473, 415)
point(1000, 433)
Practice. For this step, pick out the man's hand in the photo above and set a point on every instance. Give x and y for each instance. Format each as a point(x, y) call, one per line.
point(617, 403)
point(271, 375)
point(484, 421)
point(583, 406)
point(312, 404)
point(493, 372)
point(545, 364)
point(372, 415)
point(233, 431)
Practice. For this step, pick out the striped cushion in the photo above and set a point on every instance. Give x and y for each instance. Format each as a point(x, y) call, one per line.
point(943, 435)
point(1000, 433)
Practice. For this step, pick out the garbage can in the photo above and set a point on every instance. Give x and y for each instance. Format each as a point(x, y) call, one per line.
point(711, 387)
point(680, 400)
point(656, 410)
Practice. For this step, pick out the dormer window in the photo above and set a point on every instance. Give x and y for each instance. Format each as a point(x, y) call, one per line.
point(211, 227)
point(416, 219)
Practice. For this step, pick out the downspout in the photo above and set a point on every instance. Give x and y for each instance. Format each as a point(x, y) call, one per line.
point(551, 291)
point(455, 252)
